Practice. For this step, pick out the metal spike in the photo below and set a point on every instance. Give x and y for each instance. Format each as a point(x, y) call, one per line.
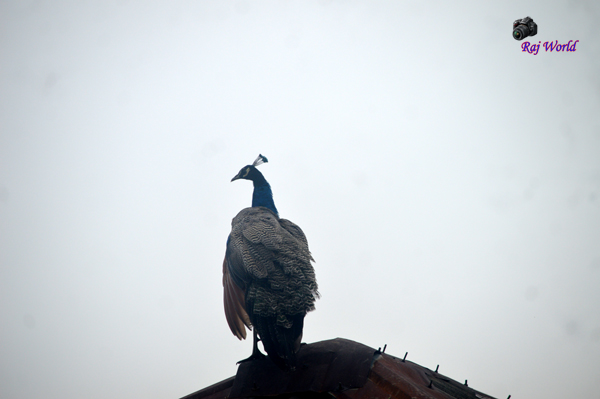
point(430, 384)
point(466, 383)
point(508, 397)
point(404, 358)
point(437, 368)
point(384, 346)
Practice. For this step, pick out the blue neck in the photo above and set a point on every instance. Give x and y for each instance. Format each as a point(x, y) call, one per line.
point(263, 196)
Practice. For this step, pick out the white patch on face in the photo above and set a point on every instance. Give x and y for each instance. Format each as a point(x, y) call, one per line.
point(246, 172)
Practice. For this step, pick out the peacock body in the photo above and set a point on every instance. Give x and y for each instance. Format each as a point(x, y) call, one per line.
point(269, 281)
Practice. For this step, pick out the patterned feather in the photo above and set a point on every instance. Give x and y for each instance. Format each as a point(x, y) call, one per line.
point(275, 265)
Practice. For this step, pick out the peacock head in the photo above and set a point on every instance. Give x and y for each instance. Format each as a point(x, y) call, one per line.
point(249, 172)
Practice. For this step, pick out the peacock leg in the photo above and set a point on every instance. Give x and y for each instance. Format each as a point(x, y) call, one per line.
point(256, 353)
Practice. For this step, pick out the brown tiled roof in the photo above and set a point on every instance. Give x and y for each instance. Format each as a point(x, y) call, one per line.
point(338, 368)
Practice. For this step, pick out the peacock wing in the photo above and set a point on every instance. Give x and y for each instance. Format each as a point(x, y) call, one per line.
point(233, 298)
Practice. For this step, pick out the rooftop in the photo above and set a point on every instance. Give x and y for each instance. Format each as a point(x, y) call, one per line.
point(339, 368)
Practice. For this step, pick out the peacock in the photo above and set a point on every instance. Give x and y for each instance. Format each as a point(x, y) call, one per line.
point(268, 278)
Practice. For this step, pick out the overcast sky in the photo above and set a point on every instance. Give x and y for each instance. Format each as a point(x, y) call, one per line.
point(448, 184)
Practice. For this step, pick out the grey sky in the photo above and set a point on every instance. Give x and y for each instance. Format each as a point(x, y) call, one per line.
point(448, 184)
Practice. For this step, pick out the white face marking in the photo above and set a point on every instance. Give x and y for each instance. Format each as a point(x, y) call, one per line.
point(246, 172)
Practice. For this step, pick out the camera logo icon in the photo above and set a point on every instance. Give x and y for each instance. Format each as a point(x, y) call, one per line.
point(524, 27)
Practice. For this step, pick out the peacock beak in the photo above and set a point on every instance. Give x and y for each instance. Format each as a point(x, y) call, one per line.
point(242, 174)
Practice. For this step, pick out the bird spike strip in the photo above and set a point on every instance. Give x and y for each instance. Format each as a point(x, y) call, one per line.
point(260, 160)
